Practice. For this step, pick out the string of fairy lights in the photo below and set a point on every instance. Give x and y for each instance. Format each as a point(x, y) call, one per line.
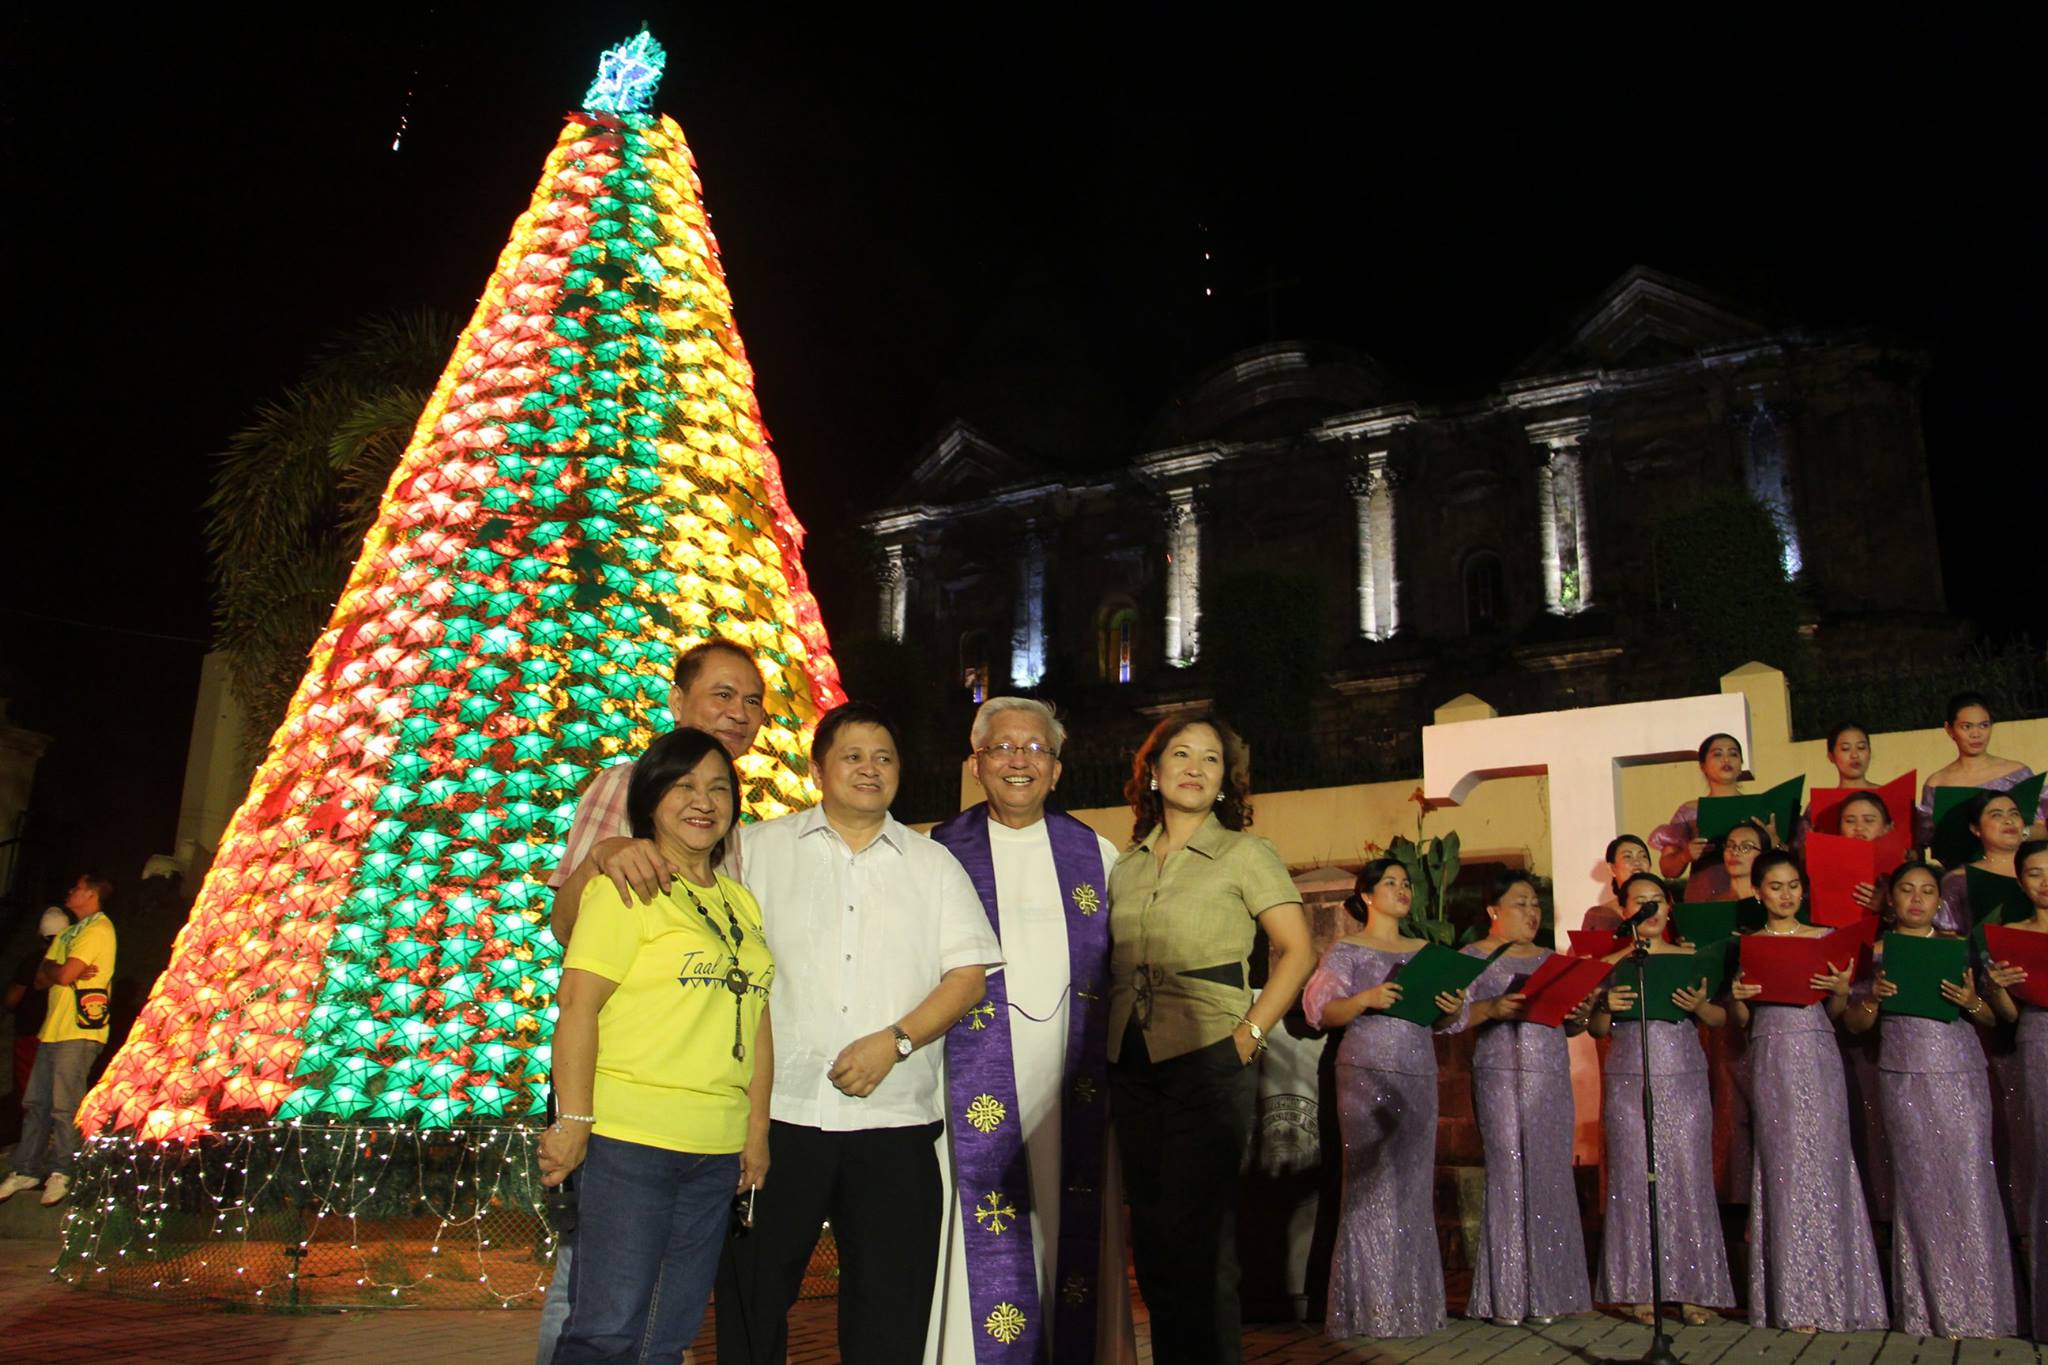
point(330, 1180)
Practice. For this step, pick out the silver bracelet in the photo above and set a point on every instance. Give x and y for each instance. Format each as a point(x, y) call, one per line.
point(576, 1118)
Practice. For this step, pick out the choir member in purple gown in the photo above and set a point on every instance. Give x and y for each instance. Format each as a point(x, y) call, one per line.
point(1530, 1265)
point(2032, 862)
point(2000, 827)
point(1969, 729)
point(1681, 852)
point(1812, 1260)
point(1695, 1260)
point(1865, 816)
point(1387, 1276)
point(1626, 856)
point(1951, 1248)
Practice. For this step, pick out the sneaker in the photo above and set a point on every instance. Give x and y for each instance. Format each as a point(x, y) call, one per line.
point(15, 1184)
point(55, 1188)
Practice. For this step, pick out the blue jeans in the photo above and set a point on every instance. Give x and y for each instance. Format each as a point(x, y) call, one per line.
point(48, 1110)
point(554, 1309)
point(650, 1226)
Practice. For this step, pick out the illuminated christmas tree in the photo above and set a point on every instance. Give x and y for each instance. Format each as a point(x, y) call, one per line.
point(589, 491)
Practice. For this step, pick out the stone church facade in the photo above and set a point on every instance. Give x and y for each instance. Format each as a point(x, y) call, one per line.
point(1488, 545)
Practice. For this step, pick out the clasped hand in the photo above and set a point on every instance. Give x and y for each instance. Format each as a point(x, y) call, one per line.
point(562, 1149)
point(862, 1064)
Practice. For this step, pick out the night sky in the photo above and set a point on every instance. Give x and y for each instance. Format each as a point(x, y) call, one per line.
point(1001, 215)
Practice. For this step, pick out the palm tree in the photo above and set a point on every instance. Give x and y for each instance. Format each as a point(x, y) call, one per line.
point(297, 488)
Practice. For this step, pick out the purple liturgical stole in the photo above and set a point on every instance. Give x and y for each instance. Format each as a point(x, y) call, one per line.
point(992, 1176)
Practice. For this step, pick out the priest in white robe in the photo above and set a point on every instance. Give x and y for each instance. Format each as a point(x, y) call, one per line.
point(1032, 1263)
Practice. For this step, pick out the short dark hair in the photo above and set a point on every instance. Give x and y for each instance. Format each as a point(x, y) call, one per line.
point(1844, 728)
point(851, 713)
point(1650, 877)
point(1773, 857)
point(1369, 878)
point(98, 885)
point(666, 762)
point(2032, 848)
point(1885, 913)
point(1708, 743)
point(1148, 807)
point(1506, 880)
point(692, 660)
point(1614, 845)
point(1868, 799)
point(1761, 833)
point(1960, 700)
point(1974, 808)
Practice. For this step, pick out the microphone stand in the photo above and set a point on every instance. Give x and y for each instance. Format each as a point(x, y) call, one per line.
point(1660, 1344)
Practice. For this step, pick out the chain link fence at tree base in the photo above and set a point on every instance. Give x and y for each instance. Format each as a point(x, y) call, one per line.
point(326, 1217)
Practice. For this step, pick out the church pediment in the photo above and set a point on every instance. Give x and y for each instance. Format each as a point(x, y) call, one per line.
point(962, 465)
point(1644, 319)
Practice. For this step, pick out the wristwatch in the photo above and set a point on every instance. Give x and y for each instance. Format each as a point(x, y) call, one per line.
point(904, 1047)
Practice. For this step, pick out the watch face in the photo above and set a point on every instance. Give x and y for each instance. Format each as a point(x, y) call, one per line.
point(903, 1047)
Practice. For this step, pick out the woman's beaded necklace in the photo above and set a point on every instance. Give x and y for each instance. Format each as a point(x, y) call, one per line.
point(736, 978)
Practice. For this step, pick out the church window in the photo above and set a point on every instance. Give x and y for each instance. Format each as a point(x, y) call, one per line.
point(974, 665)
point(1485, 592)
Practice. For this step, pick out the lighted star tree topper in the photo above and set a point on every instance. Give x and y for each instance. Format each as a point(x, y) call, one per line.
point(589, 491)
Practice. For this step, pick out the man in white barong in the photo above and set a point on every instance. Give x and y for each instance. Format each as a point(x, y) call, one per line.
point(1033, 1257)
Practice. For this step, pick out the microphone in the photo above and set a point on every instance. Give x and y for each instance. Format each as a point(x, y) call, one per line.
point(1646, 911)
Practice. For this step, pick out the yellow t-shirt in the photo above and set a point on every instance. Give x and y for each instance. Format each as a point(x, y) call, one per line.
point(80, 1009)
point(666, 1076)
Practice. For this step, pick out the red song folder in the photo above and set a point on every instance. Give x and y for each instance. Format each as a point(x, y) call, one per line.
point(2018, 948)
point(1597, 942)
point(1826, 811)
point(1557, 987)
point(1836, 865)
point(1785, 964)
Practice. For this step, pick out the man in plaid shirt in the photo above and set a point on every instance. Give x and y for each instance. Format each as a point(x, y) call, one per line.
point(718, 690)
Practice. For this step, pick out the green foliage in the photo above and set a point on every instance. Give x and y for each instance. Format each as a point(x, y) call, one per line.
point(1264, 636)
point(1432, 866)
point(297, 488)
point(1721, 594)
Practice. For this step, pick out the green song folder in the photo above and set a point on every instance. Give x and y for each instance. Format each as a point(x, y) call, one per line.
point(1918, 966)
point(1719, 814)
point(1664, 973)
point(1705, 923)
point(1995, 898)
point(1429, 973)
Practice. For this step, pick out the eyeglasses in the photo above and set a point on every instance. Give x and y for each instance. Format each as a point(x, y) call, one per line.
point(1034, 750)
point(1745, 848)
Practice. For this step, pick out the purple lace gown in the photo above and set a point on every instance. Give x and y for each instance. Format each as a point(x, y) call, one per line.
point(1695, 1260)
point(1531, 1259)
point(1387, 1276)
point(2033, 1052)
point(1812, 1260)
point(1951, 1252)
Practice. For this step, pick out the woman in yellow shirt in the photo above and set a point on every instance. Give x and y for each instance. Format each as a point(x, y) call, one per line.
point(663, 1062)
